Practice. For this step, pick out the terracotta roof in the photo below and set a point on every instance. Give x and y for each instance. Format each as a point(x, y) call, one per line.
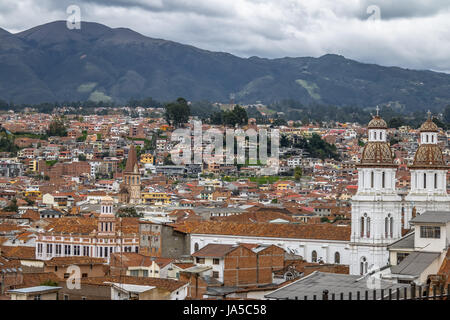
point(18, 252)
point(297, 231)
point(65, 261)
point(256, 216)
point(132, 159)
point(214, 250)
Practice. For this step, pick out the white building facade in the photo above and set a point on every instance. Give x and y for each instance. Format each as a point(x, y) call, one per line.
point(376, 207)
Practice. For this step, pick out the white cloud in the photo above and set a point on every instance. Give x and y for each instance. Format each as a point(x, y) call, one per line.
point(411, 33)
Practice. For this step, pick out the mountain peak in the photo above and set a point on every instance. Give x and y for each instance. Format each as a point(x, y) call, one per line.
point(57, 32)
point(118, 64)
point(4, 32)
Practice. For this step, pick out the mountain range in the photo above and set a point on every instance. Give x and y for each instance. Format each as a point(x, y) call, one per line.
point(52, 63)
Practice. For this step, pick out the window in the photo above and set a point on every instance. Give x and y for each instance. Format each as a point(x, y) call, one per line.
point(430, 232)
point(362, 227)
point(371, 179)
point(314, 256)
point(85, 251)
point(49, 248)
point(145, 273)
point(337, 258)
point(391, 227)
point(382, 179)
point(216, 261)
point(196, 247)
point(84, 275)
point(134, 273)
point(67, 250)
point(435, 180)
point(39, 247)
point(424, 180)
point(66, 297)
point(37, 297)
point(368, 227)
point(58, 249)
point(215, 274)
point(386, 222)
point(76, 250)
point(401, 256)
point(200, 260)
point(363, 265)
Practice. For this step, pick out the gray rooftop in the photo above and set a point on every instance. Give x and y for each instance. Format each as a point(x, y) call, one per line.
point(415, 263)
point(34, 289)
point(317, 282)
point(407, 242)
point(441, 217)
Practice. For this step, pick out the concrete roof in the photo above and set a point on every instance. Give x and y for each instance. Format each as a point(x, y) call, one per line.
point(441, 217)
point(415, 263)
point(34, 289)
point(407, 242)
point(317, 282)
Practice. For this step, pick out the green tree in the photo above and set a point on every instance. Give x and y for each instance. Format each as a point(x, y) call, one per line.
point(177, 112)
point(129, 212)
point(12, 207)
point(447, 114)
point(57, 128)
point(298, 172)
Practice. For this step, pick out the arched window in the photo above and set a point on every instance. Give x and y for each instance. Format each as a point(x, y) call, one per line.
point(427, 137)
point(424, 180)
point(371, 179)
point(386, 227)
point(391, 226)
point(435, 180)
point(374, 135)
point(432, 138)
point(337, 258)
point(196, 247)
point(382, 179)
point(363, 265)
point(362, 227)
point(314, 256)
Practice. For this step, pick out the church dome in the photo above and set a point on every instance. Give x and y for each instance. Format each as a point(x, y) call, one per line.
point(377, 123)
point(429, 126)
point(429, 155)
point(378, 153)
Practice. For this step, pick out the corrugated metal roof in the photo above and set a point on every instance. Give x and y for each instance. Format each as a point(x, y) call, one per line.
point(432, 217)
point(415, 263)
point(317, 282)
point(407, 242)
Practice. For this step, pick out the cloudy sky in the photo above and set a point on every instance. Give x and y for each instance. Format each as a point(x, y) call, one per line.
point(408, 33)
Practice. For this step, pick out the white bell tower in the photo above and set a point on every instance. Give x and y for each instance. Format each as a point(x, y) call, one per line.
point(376, 207)
point(428, 175)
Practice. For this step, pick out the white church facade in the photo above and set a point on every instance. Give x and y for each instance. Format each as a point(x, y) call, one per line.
point(378, 213)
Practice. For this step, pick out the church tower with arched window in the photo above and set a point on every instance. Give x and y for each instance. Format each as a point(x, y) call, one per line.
point(376, 207)
point(428, 175)
point(130, 191)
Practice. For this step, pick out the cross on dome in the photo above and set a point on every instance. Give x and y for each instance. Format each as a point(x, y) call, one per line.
point(378, 110)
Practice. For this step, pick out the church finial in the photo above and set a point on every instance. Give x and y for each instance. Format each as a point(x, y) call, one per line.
point(378, 111)
point(429, 114)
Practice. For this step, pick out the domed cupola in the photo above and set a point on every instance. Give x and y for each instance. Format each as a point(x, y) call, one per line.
point(429, 154)
point(377, 151)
